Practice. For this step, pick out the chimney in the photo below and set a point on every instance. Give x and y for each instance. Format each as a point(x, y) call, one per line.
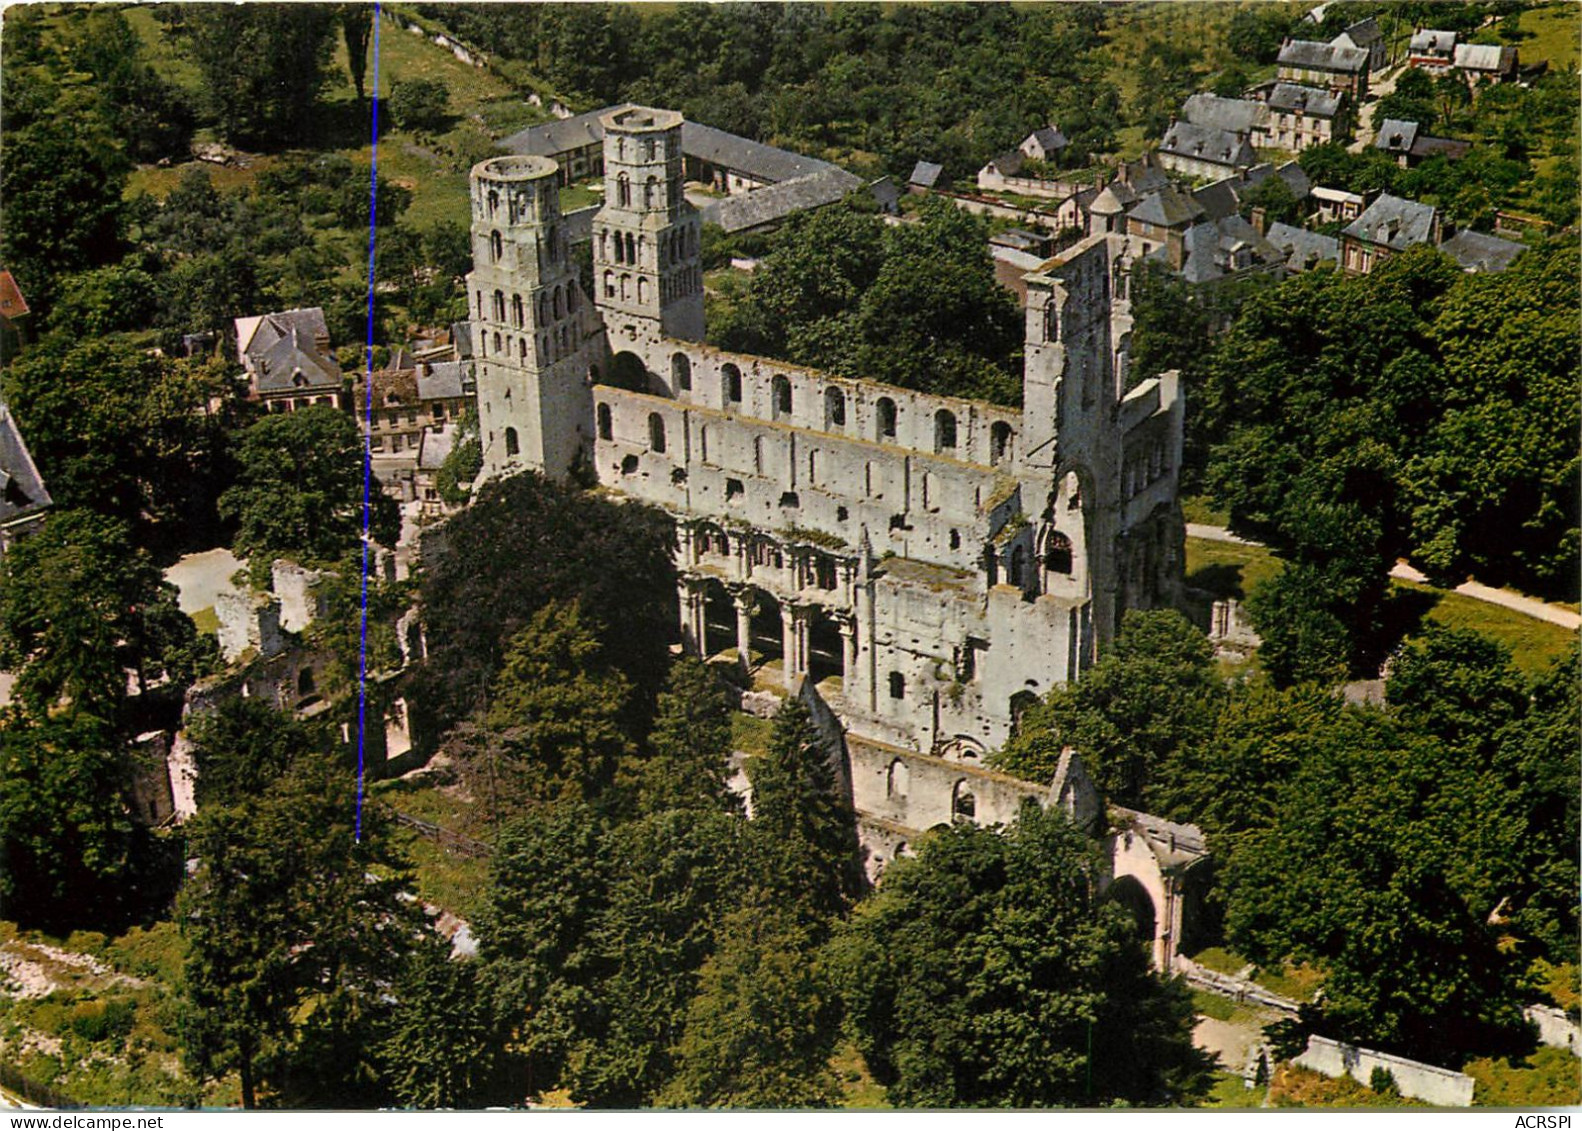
point(1260, 220)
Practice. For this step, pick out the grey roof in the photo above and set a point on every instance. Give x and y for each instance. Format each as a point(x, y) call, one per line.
point(1364, 33)
point(1431, 41)
point(1478, 251)
point(1019, 239)
point(1010, 162)
point(1426, 146)
point(1312, 56)
point(766, 205)
point(885, 194)
point(759, 161)
point(1485, 57)
point(1049, 137)
point(1296, 179)
point(295, 362)
point(1396, 136)
point(1219, 147)
point(1209, 248)
point(1311, 100)
point(1220, 199)
point(564, 135)
point(925, 174)
point(259, 334)
point(1237, 115)
point(1304, 249)
point(442, 381)
point(705, 143)
point(1167, 207)
point(461, 336)
point(434, 445)
point(1392, 222)
point(22, 489)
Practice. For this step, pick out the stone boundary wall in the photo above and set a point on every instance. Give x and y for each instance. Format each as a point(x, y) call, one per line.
point(991, 181)
point(1420, 1081)
point(1555, 1028)
point(1228, 985)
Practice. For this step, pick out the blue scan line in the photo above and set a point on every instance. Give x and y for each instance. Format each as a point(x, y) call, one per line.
point(368, 412)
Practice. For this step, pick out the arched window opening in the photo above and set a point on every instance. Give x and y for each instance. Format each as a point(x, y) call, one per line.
point(963, 805)
point(496, 246)
point(623, 191)
point(731, 379)
point(1019, 567)
point(656, 432)
point(834, 408)
point(758, 455)
point(512, 447)
point(517, 313)
point(642, 288)
point(606, 428)
point(650, 192)
point(897, 685)
point(494, 203)
point(1021, 703)
point(681, 371)
point(1051, 322)
point(886, 411)
point(609, 284)
point(944, 431)
point(1057, 553)
point(557, 302)
point(631, 248)
point(897, 780)
point(499, 306)
point(782, 396)
point(999, 442)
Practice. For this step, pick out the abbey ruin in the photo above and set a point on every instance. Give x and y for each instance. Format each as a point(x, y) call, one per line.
point(927, 565)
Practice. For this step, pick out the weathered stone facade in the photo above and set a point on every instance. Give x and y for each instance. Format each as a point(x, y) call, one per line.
point(930, 564)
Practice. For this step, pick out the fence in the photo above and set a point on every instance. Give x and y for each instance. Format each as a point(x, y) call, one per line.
point(452, 840)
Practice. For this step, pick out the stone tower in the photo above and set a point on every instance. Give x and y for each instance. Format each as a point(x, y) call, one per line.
point(647, 272)
point(529, 320)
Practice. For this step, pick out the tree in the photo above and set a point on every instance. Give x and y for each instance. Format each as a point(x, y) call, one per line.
point(67, 844)
point(1150, 701)
point(419, 104)
point(296, 931)
point(104, 301)
point(1275, 197)
point(691, 742)
point(299, 490)
point(79, 608)
point(444, 1048)
point(243, 748)
point(986, 972)
point(357, 22)
point(800, 814)
point(760, 1031)
point(262, 68)
point(557, 707)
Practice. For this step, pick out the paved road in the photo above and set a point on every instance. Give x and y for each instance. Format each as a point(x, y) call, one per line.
point(1529, 606)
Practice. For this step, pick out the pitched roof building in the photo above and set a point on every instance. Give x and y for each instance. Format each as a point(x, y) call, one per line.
point(1303, 249)
point(1388, 226)
point(287, 360)
point(1486, 62)
point(1366, 35)
point(23, 496)
point(1234, 115)
point(1432, 50)
point(1325, 64)
point(1479, 252)
point(1197, 151)
point(1044, 144)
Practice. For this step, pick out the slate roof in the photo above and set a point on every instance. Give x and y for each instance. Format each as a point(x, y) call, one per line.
point(1364, 33)
point(1222, 198)
point(22, 490)
point(12, 304)
point(925, 174)
point(1207, 247)
point(1303, 249)
point(1394, 223)
point(1236, 115)
point(1426, 146)
point(1478, 251)
point(1312, 56)
point(1112, 199)
point(1009, 163)
point(1220, 147)
point(440, 380)
point(562, 135)
point(1429, 41)
point(294, 362)
point(742, 211)
point(1485, 57)
point(1396, 136)
point(1168, 208)
point(1310, 100)
point(1296, 179)
point(258, 334)
point(1049, 138)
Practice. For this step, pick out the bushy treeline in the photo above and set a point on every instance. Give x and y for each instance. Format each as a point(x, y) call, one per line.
point(1422, 853)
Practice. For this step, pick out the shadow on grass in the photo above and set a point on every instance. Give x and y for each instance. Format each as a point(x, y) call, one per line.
point(1221, 579)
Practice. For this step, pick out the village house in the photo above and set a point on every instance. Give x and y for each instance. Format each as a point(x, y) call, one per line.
point(1389, 226)
point(1337, 204)
point(1044, 144)
point(1482, 63)
point(23, 497)
point(1478, 252)
point(1194, 151)
point(16, 320)
point(1366, 35)
point(286, 360)
point(1406, 142)
point(1329, 65)
point(1303, 116)
point(409, 401)
point(1432, 51)
point(1233, 115)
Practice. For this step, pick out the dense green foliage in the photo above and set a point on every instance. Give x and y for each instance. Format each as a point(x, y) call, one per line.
point(614, 559)
point(262, 66)
point(915, 305)
point(985, 972)
point(691, 743)
point(1151, 696)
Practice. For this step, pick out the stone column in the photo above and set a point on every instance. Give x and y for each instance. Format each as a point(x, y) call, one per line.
point(694, 625)
point(788, 643)
point(743, 598)
point(848, 655)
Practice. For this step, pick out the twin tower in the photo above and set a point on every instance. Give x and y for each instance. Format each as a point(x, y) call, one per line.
point(539, 344)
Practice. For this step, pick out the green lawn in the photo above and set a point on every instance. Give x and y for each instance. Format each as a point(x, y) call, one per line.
point(1229, 1090)
point(206, 620)
point(1550, 33)
point(750, 734)
point(1534, 644)
point(1228, 569)
point(443, 876)
point(1547, 1078)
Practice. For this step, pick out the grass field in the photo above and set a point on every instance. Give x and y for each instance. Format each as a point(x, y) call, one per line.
point(1547, 1078)
point(1228, 569)
point(1550, 34)
point(443, 877)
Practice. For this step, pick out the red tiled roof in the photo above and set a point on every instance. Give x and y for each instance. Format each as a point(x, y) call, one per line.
point(12, 304)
